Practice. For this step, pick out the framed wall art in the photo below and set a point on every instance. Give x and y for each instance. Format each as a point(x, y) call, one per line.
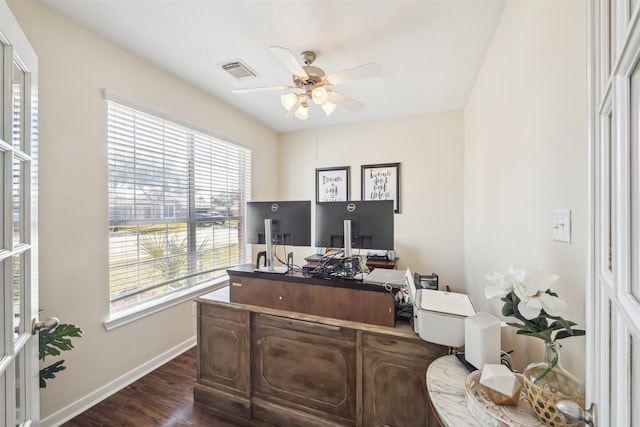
point(332, 184)
point(382, 182)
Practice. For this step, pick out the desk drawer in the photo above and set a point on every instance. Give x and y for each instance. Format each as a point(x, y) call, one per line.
point(403, 347)
point(329, 331)
point(344, 303)
point(223, 313)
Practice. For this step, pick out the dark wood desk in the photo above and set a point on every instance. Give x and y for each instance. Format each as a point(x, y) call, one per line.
point(371, 263)
point(295, 369)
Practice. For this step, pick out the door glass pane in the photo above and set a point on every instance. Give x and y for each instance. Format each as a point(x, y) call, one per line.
point(609, 178)
point(634, 368)
point(18, 201)
point(606, 252)
point(634, 185)
point(17, 102)
point(21, 396)
point(18, 293)
point(612, 33)
point(3, 400)
point(4, 157)
point(610, 380)
point(7, 324)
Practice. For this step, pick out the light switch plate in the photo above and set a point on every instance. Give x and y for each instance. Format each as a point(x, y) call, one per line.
point(562, 225)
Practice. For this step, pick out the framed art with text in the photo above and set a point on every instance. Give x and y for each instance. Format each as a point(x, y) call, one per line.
point(382, 182)
point(332, 184)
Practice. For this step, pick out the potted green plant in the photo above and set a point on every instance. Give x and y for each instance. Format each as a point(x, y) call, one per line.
point(52, 343)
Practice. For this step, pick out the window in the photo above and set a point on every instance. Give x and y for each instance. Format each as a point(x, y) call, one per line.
point(177, 197)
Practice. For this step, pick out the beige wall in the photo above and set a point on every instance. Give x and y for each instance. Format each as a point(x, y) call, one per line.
point(75, 65)
point(525, 156)
point(429, 228)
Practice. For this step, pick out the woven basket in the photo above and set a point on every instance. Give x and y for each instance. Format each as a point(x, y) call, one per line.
point(543, 401)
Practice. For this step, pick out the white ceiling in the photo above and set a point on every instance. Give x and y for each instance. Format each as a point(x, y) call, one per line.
point(429, 50)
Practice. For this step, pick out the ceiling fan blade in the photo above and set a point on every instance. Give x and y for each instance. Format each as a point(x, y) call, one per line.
point(360, 72)
point(344, 101)
point(261, 89)
point(289, 61)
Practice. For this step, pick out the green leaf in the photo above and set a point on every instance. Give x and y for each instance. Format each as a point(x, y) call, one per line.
point(52, 342)
point(526, 332)
point(519, 326)
point(565, 324)
point(541, 323)
point(50, 372)
point(543, 326)
point(507, 309)
point(532, 334)
point(564, 334)
point(560, 323)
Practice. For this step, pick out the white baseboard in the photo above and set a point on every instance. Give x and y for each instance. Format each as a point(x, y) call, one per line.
point(118, 384)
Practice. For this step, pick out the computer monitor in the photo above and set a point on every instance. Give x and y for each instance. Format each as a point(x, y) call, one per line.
point(286, 223)
point(290, 222)
point(369, 223)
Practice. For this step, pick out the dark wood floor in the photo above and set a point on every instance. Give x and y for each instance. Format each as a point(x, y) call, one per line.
point(162, 398)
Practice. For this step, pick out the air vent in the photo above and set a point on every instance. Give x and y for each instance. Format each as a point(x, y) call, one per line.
point(239, 70)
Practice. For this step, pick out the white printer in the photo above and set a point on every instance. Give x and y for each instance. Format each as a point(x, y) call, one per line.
point(438, 316)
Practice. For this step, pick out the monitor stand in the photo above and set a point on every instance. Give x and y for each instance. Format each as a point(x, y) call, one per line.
point(283, 269)
point(269, 258)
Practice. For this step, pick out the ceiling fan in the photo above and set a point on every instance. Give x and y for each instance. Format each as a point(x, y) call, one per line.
point(311, 83)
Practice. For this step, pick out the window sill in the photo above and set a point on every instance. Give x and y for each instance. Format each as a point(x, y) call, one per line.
point(139, 311)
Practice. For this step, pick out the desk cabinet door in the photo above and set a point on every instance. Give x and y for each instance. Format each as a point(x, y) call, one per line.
point(307, 367)
point(224, 349)
point(394, 373)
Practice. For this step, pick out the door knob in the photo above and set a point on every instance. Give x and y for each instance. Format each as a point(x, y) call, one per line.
point(47, 325)
point(573, 413)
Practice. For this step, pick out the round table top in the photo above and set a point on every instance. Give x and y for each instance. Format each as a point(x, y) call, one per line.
point(458, 401)
point(445, 382)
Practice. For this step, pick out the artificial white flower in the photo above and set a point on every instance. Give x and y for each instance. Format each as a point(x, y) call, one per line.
point(537, 308)
point(504, 282)
point(534, 297)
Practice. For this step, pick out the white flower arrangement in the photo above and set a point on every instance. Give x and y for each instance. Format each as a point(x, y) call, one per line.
point(530, 300)
point(533, 292)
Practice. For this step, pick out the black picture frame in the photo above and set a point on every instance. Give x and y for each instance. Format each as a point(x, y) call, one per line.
point(381, 182)
point(332, 184)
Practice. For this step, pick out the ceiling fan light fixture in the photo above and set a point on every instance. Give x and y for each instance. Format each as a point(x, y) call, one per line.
point(310, 83)
point(319, 95)
point(289, 100)
point(328, 107)
point(303, 111)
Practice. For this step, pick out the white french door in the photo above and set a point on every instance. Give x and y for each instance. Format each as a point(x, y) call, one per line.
point(613, 311)
point(18, 225)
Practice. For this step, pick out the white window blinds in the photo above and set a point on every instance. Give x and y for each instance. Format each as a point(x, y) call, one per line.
point(176, 205)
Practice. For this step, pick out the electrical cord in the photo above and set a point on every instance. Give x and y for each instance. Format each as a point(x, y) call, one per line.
point(275, 253)
point(403, 304)
point(405, 313)
point(293, 267)
point(506, 359)
point(330, 266)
